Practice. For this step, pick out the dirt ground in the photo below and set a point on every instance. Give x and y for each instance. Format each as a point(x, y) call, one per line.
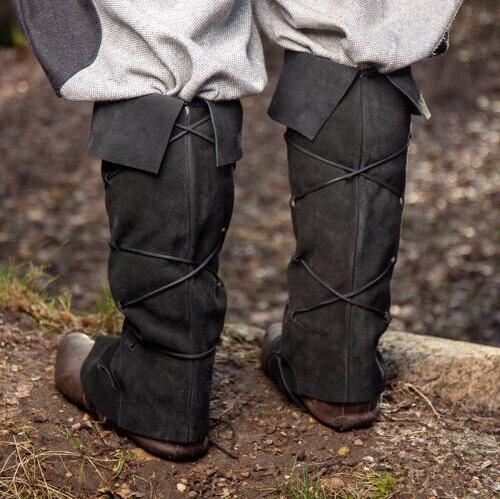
point(447, 280)
point(262, 444)
point(446, 284)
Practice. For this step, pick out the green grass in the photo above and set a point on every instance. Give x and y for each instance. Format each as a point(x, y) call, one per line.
point(10, 33)
point(74, 440)
point(385, 485)
point(303, 486)
point(23, 472)
point(23, 278)
point(17, 37)
point(107, 311)
point(24, 288)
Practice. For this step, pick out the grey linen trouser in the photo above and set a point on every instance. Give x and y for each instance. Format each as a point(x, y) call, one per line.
point(101, 50)
point(166, 78)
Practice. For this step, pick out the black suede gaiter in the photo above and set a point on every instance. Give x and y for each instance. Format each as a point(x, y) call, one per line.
point(347, 200)
point(167, 230)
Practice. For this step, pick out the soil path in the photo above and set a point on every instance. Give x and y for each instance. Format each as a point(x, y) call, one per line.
point(409, 453)
point(52, 210)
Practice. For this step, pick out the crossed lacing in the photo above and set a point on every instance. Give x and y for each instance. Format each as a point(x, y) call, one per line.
point(351, 173)
point(198, 265)
point(337, 296)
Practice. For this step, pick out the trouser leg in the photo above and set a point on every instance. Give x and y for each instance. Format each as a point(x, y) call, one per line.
point(167, 230)
point(103, 50)
point(347, 184)
point(387, 36)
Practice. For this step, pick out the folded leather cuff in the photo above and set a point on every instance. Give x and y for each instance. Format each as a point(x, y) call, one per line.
point(311, 87)
point(136, 132)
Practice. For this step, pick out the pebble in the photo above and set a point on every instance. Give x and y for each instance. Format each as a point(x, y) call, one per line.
point(181, 487)
point(358, 442)
point(368, 459)
point(192, 493)
point(301, 455)
point(333, 483)
point(343, 451)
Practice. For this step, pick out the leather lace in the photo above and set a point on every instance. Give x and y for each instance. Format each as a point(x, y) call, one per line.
point(198, 266)
point(337, 296)
point(280, 359)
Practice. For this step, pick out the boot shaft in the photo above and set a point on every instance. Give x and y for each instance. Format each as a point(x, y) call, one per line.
point(347, 184)
point(167, 230)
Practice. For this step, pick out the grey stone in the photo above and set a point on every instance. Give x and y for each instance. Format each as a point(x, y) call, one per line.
point(459, 373)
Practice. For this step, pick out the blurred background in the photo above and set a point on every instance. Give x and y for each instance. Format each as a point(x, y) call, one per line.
point(446, 282)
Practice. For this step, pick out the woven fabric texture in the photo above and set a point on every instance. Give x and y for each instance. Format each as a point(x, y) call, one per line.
point(212, 48)
point(386, 34)
point(206, 48)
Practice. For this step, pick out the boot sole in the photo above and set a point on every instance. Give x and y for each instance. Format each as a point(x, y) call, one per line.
point(341, 423)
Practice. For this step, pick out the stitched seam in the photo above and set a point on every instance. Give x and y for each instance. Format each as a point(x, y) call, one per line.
point(120, 390)
point(354, 257)
point(210, 110)
point(188, 283)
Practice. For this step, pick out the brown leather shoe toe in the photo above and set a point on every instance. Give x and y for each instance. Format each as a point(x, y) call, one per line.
point(340, 417)
point(170, 450)
point(343, 417)
point(72, 352)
